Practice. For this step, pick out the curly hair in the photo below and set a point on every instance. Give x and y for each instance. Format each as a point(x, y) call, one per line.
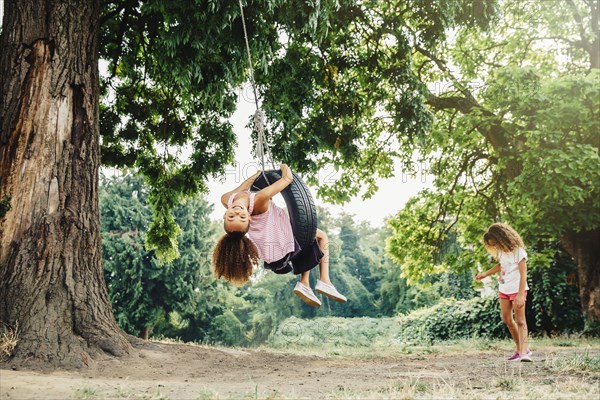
point(234, 258)
point(504, 237)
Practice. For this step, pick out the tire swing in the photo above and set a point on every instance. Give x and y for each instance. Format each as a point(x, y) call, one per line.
point(298, 199)
point(300, 204)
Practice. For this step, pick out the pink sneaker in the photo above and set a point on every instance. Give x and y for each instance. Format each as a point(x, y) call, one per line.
point(515, 357)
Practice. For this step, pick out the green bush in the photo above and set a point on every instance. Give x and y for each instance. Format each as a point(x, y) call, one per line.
point(448, 320)
point(553, 304)
point(453, 319)
point(227, 329)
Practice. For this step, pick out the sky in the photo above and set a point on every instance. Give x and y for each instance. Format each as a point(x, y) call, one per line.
point(392, 195)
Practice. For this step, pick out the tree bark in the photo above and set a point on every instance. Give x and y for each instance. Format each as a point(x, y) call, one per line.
point(51, 280)
point(145, 333)
point(584, 247)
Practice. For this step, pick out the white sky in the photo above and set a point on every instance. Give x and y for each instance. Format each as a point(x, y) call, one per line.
point(392, 195)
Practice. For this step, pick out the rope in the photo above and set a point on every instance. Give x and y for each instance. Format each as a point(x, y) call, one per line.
point(258, 120)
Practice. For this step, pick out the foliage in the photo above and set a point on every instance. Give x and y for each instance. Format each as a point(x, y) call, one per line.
point(395, 294)
point(142, 291)
point(350, 99)
point(182, 299)
point(419, 242)
point(332, 331)
point(169, 85)
point(230, 329)
point(325, 70)
point(560, 160)
point(343, 272)
point(449, 319)
point(555, 298)
point(129, 270)
point(356, 245)
point(514, 138)
point(453, 319)
point(267, 301)
point(397, 297)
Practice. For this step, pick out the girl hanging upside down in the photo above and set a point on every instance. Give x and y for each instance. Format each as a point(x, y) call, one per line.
point(257, 229)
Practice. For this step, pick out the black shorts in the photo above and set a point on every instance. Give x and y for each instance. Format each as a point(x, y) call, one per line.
point(298, 261)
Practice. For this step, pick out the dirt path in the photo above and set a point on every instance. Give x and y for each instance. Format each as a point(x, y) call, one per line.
point(177, 371)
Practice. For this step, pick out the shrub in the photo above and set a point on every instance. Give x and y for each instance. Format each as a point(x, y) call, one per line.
point(450, 319)
point(227, 329)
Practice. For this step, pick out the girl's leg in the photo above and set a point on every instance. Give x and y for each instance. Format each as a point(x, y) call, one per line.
point(304, 278)
point(324, 285)
point(521, 323)
point(323, 242)
point(507, 316)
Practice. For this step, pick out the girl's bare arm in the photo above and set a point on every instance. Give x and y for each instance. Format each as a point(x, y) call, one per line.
point(491, 271)
point(246, 185)
point(261, 201)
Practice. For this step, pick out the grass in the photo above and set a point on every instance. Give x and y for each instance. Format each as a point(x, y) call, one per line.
point(389, 348)
point(9, 337)
point(578, 362)
point(386, 347)
point(86, 393)
point(90, 393)
point(208, 395)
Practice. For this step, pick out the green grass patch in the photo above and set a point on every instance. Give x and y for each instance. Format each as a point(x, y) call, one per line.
point(86, 393)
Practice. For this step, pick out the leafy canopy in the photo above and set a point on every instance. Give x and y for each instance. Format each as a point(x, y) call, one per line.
point(515, 136)
point(335, 77)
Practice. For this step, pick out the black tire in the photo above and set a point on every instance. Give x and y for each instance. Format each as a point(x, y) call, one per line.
point(300, 204)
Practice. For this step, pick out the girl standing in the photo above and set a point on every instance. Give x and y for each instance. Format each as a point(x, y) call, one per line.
point(506, 246)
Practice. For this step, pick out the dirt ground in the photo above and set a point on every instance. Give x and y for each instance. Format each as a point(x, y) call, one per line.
point(179, 371)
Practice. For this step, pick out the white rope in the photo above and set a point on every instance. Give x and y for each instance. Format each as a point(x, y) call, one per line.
point(259, 123)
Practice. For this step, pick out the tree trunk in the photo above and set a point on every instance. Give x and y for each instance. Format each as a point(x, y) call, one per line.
point(51, 281)
point(584, 247)
point(145, 333)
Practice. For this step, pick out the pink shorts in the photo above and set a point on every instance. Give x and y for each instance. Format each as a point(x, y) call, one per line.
point(511, 296)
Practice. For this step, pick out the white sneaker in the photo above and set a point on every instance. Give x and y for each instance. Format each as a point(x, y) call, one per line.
point(329, 291)
point(306, 294)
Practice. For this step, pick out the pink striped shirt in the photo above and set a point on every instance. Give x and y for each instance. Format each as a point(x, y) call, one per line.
point(271, 231)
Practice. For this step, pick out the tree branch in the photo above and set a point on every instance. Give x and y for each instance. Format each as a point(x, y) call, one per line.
point(592, 48)
point(579, 21)
point(110, 15)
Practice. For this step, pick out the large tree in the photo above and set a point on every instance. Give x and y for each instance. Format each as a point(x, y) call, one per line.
point(515, 139)
point(51, 282)
point(173, 68)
